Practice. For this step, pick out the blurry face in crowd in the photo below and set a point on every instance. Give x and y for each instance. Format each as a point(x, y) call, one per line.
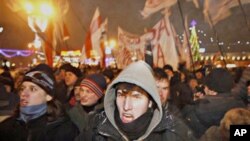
point(18, 80)
point(7, 88)
point(77, 92)
point(107, 80)
point(87, 96)
point(70, 78)
point(193, 84)
point(169, 73)
point(31, 94)
point(131, 102)
point(62, 74)
point(198, 75)
point(163, 89)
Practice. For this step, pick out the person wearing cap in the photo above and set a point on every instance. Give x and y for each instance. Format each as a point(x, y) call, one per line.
point(91, 94)
point(71, 75)
point(210, 109)
point(108, 74)
point(39, 116)
point(133, 110)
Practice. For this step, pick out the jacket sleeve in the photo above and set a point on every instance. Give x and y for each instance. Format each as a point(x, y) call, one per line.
point(240, 90)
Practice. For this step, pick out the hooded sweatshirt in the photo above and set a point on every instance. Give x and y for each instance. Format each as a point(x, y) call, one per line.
point(140, 74)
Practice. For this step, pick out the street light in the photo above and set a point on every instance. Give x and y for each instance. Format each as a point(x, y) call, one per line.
point(1, 29)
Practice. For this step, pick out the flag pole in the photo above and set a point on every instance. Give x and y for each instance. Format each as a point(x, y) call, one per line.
point(217, 39)
point(244, 15)
point(185, 30)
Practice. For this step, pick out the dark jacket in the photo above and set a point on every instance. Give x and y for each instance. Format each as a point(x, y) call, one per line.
point(169, 129)
point(162, 125)
point(14, 129)
point(209, 111)
point(81, 118)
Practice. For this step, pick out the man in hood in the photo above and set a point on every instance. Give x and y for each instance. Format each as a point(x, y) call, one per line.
point(133, 110)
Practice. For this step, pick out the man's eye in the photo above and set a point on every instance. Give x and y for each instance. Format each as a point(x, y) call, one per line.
point(119, 93)
point(136, 94)
point(21, 89)
point(33, 89)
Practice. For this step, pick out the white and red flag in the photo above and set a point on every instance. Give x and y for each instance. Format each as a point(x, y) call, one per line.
point(153, 6)
point(92, 47)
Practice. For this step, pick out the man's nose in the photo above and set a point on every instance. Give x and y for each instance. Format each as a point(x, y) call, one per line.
point(127, 103)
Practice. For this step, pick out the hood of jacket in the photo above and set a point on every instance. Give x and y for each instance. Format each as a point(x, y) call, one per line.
point(140, 74)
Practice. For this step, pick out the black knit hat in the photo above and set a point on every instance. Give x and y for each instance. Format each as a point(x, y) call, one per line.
point(109, 73)
point(220, 80)
point(74, 70)
point(41, 79)
point(65, 66)
point(168, 67)
point(95, 82)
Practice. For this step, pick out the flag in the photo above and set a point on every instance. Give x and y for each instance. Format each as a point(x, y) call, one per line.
point(92, 43)
point(48, 43)
point(153, 6)
point(130, 43)
point(164, 50)
point(103, 29)
point(217, 10)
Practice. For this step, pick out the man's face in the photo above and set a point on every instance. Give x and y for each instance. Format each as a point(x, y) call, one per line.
point(163, 89)
point(87, 96)
point(70, 78)
point(31, 94)
point(132, 102)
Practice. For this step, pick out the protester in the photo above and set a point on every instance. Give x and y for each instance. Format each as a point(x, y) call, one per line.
point(8, 98)
point(210, 109)
point(133, 110)
point(39, 116)
point(91, 94)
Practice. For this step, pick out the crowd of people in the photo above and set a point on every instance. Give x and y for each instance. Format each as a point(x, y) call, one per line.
point(137, 103)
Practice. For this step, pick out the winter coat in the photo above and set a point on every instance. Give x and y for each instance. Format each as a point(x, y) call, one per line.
point(81, 118)
point(161, 127)
point(209, 111)
point(14, 129)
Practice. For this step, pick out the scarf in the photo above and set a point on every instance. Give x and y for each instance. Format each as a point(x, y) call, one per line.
point(136, 128)
point(28, 113)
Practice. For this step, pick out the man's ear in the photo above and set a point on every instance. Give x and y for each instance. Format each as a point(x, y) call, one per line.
point(48, 98)
point(150, 104)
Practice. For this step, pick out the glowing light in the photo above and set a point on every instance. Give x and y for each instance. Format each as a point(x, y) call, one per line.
point(28, 7)
point(193, 23)
point(1, 29)
point(46, 9)
point(7, 64)
point(112, 43)
point(37, 43)
point(230, 65)
point(202, 50)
